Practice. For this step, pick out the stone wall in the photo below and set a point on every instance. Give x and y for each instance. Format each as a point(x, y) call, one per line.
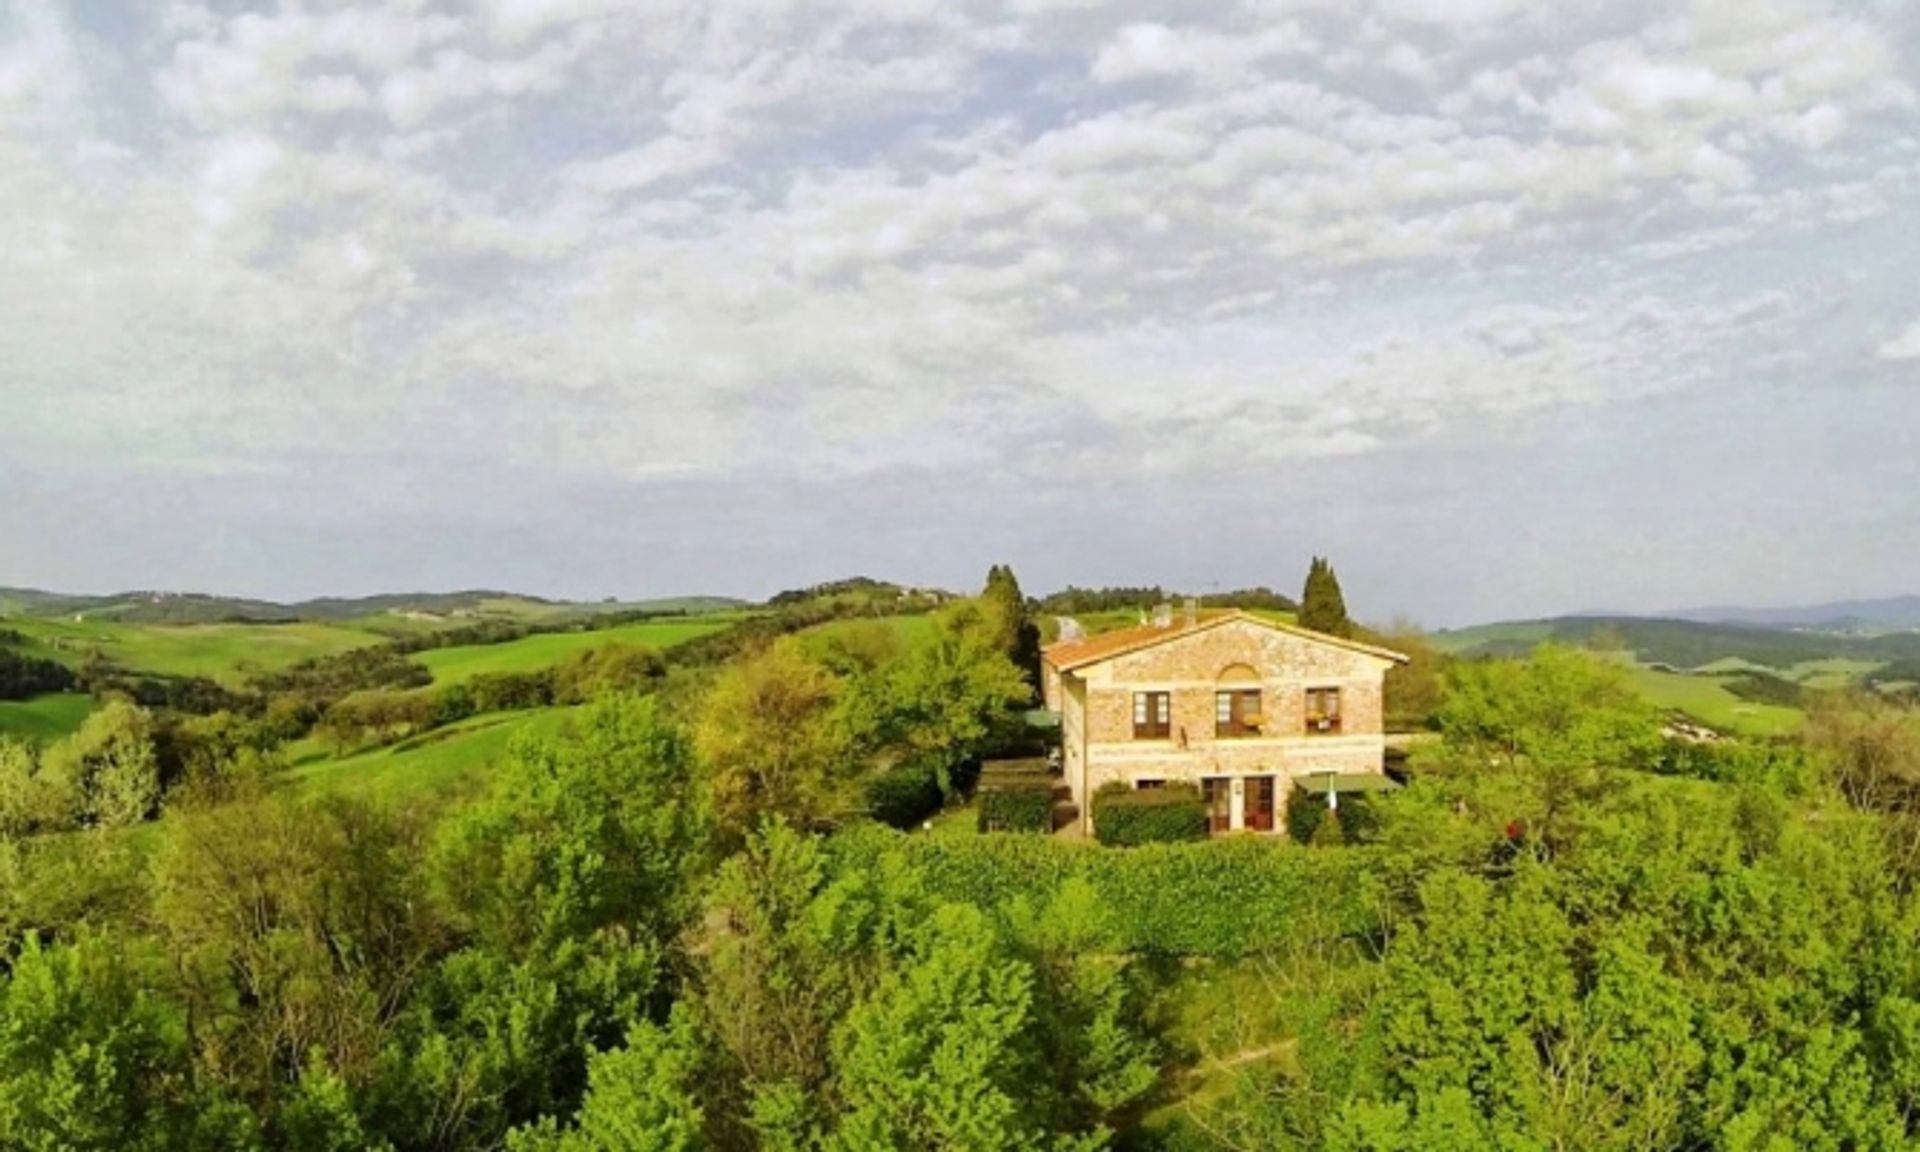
point(1190, 669)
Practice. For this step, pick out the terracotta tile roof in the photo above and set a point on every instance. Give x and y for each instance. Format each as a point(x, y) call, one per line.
point(1067, 655)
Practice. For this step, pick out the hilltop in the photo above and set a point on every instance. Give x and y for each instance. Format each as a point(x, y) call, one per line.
point(1890, 613)
point(154, 607)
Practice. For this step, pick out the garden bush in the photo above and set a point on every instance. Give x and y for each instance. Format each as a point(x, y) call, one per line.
point(1307, 811)
point(1125, 817)
point(1017, 804)
point(903, 796)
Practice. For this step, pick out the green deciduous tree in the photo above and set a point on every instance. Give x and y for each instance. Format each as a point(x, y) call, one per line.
point(1564, 721)
point(952, 699)
point(944, 1054)
point(768, 741)
point(31, 800)
point(95, 1058)
point(642, 1097)
point(109, 766)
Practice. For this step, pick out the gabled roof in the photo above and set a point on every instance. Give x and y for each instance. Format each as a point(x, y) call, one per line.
point(1068, 655)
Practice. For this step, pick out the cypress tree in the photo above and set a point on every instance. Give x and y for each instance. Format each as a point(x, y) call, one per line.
point(1322, 607)
point(1015, 633)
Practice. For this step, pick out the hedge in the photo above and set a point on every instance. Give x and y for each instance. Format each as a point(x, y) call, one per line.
point(1216, 898)
point(1128, 816)
point(1016, 805)
point(1307, 811)
point(903, 797)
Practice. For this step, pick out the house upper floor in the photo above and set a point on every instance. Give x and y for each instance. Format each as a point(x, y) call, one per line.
point(1227, 676)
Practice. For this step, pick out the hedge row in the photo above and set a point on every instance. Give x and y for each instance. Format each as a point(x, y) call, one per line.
point(1016, 805)
point(1307, 811)
point(1125, 816)
point(1219, 898)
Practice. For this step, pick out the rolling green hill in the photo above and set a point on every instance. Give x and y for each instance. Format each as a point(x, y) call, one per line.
point(1682, 643)
point(227, 653)
point(532, 653)
point(1708, 671)
point(446, 760)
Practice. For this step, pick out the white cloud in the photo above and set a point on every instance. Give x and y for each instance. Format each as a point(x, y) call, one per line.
point(832, 240)
point(1903, 346)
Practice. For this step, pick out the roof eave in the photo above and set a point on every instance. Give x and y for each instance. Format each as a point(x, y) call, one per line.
point(1047, 656)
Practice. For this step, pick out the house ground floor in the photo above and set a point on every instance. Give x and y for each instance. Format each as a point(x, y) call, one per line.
point(1247, 785)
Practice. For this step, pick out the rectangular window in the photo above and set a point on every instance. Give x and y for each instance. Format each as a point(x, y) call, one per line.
point(1236, 713)
point(1218, 792)
point(1323, 711)
point(1148, 785)
point(1152, 715)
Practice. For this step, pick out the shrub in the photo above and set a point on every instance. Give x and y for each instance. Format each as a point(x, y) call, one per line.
point(1016, 804)
point(1307, 812)
point(1126, 817)
point(1217, 898)
point(24, 677)
point(903, 796)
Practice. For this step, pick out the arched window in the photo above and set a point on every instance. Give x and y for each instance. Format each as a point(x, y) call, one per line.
point(1236, 702)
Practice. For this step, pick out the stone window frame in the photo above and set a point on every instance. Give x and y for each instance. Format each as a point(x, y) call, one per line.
point(1145, 725)
point(1320, 719)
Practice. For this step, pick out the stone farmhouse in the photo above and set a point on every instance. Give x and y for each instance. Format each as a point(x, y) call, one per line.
point(1242, 706)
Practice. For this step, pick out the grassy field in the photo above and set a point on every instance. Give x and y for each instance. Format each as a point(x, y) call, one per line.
point(908, 630)
point(1521, 632)
point(44, 718)
point(447, 760)
point(1707, 700)
point(223, 652)
point(532, 653)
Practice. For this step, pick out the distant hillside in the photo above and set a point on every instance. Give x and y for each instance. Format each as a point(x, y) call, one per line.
point(143, 607)
point(1888, 614)
point(1683, 643)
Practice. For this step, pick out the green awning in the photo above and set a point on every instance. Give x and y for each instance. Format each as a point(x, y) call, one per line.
point(1322, 783)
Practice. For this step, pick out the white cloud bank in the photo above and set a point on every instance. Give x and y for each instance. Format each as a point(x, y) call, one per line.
point(645, 241)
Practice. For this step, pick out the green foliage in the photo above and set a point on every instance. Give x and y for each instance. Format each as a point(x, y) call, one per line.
point(903, 797)
point(943, 1054)
point(1563, 719)
point(92, 1060)
point(1307, 816)
point(1013, 631)
point(951, 700)
point(1413, 690)
point(32, 799)
point(1087, 996)
point(1765, 688)
point(643, 1097)
point(1019, 804)
point(109, 768)
point(24, 677)
point(1322, 607)
point(1220, 898)
point(596, 830)
point(767, 736)
point(1124, 816)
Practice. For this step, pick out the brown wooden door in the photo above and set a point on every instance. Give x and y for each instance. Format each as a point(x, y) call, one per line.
point(1218, 791)
point(1258, 811)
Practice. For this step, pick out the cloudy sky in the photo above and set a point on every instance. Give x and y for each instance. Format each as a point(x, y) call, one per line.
point(1510, 307)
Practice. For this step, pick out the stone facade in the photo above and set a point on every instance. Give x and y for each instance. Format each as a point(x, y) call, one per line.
point(1191, 664)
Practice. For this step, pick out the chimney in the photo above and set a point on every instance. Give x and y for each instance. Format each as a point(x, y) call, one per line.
point(1163, 615)
point(1193, 611)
